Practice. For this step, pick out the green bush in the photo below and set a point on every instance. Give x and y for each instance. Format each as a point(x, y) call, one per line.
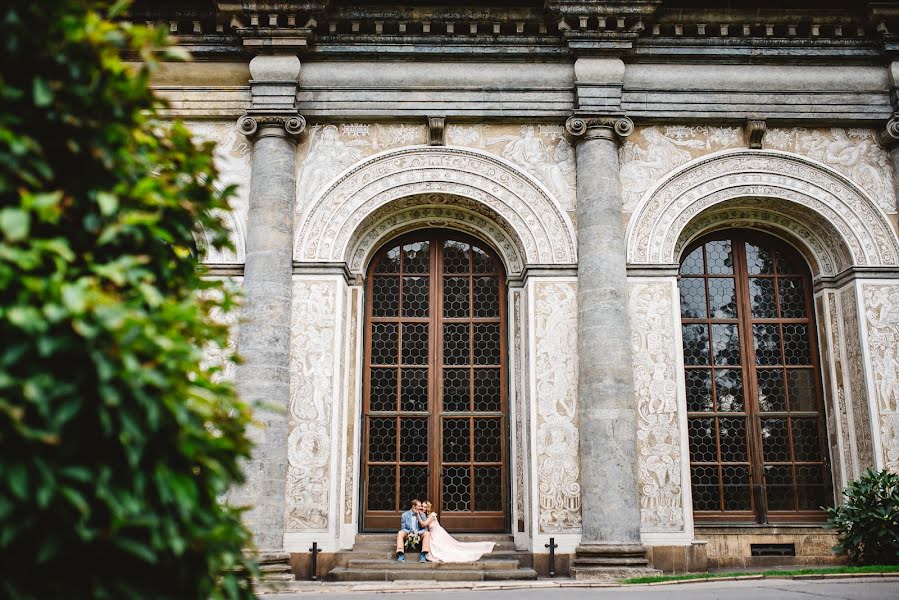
point(868, 520)
point(115, 440)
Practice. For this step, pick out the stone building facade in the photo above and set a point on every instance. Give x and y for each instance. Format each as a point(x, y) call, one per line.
point(674, 227)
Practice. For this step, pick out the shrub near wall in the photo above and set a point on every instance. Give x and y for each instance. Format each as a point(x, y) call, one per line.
point(868, 519)
point(115, 441)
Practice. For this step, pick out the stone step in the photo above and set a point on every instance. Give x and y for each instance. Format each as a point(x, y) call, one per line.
point(524, 559)
point(462, 537)
point(402, 574)
point(390, 545)
point(480, 565)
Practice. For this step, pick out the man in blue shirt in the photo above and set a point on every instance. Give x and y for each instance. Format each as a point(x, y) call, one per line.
point(408, 526)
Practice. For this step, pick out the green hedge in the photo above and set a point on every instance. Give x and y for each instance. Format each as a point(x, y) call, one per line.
point(867, 522)
point(115, 441)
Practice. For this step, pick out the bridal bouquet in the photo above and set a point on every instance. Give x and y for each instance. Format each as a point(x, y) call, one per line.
point(413, 540)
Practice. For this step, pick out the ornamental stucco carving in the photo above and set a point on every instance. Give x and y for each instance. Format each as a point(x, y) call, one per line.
point(881, 303)
point(313, 367)
point(233, 154)
point(329, 225)
point(858, 396)
point(655, 381)
point(837, 401)
point(520, 406)
point(656, 227)
point(352, 348)
point(555, 373)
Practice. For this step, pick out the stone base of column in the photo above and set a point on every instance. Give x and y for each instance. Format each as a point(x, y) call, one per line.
point(274, 570)
point(610, 562)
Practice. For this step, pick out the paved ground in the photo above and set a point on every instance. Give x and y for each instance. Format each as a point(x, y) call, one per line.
point(762, 589)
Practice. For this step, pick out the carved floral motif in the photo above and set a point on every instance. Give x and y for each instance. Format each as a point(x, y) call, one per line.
point(882, 327)
point(655, 382)
point(858, 395)
point(519, 407)
point(555, 372)
point(312, 363)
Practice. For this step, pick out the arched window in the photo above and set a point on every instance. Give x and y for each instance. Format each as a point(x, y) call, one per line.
point(435, 384)
point(754, 408)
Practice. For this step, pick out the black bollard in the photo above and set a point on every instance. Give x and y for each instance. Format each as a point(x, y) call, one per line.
point(314, 570)
point(552, 545)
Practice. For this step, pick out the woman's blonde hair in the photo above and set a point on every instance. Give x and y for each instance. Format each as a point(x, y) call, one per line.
point(427, 506)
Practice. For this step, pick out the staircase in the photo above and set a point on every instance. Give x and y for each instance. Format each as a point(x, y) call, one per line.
point(373, 558)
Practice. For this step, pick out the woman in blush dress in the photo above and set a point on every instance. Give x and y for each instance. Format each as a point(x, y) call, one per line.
point(446, 548)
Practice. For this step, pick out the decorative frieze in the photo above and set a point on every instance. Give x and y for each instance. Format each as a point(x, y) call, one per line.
point(881, 318)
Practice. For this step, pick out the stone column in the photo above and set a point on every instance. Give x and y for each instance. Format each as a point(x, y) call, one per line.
point(273, 125)
point(610, 504)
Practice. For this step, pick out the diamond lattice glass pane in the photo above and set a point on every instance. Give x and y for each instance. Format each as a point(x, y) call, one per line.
point(706, 487)
point(456, 492)
point(416, 257)
point(456, 390)
point(726, 344)
point(488, 440)
point(775, 440)
point(702, 439)
point(456, 349)
point(382, 488)
point(735, 487)
point(456, 440)
point(696, 344)
point(718, 257)
point(722, 298)
point(692, 298)
point(806, 441)
point(802, 390)
point(456, 297)
point(792, 298)
point(729, 389)
point(766, 339)
point(385, 292)
point(415, 344)
point(413, 484)
point(488, 488)
point(455, 257)
point(413, 439)
point(416, 296)
point(391, 261)
point(487, 396)
point(414, 390)
point(381, 439)
point(486, 297)
point(699, 390)
point(692, 265)
point(772, 395)
point(779, 487)
point(382, 386)
point(762, 297)
point(486, 344)
point(481, 262)
point(796, 344)
point(732, 439)
point(384, 343)
point(758, 260)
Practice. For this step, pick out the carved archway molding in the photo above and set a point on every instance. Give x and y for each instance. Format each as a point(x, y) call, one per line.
point(456, 187)
point(835, 221)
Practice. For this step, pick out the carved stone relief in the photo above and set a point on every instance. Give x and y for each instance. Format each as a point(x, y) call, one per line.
point(233, 154)
point(858, 397)
point(555, 373)
point(313, 368)
point(216, 356)
point(541, 150)
point(520, 408)
point(656, 384)
point(853, 152)
point(352, 347)
point(651, 152)
point(881, 303)
point(327, 229)
point(655, 230)
point(327, 150)
point(840, 447)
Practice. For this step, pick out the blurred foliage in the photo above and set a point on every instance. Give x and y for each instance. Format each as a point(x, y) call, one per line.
point(867, 522)
point(116, 440)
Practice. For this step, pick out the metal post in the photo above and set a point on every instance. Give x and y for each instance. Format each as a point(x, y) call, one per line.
point(552, 545)
point(314, 570)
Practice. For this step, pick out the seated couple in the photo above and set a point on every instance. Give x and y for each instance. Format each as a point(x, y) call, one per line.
point(436, 544)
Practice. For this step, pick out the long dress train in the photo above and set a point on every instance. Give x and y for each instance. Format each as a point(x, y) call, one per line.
point(446, 548)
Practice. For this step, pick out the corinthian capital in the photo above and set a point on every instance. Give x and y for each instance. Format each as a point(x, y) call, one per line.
point(254, 126)
point(889, 135)
point(597, 127)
